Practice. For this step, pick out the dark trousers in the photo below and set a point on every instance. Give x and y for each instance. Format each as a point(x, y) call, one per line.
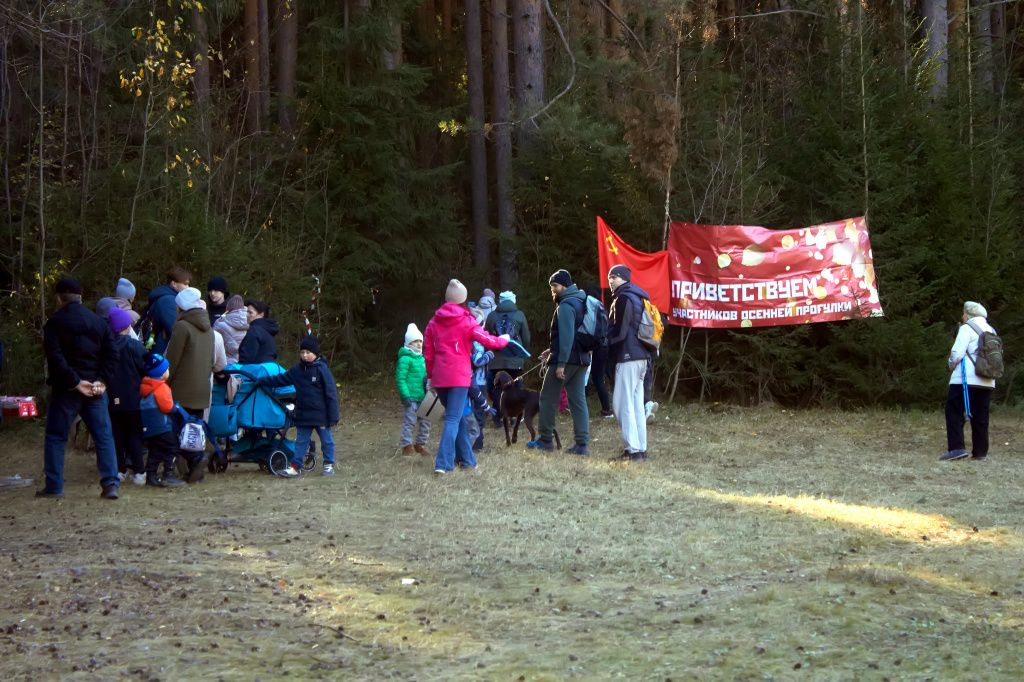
point(598, 367)
point(127, 426)
point(64, 407)
point(162, 450)
point(495, 392)
point(980, 398)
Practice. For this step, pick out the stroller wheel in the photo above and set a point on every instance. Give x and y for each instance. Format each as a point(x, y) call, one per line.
point(277, 462)
point(309, 463)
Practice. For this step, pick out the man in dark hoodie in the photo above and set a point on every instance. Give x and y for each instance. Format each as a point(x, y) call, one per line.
point(567, 366)
point(506, 319)
point(162, 310)
point(630, 358)
point(217, 296)
point(258, 346)
point(81, 358)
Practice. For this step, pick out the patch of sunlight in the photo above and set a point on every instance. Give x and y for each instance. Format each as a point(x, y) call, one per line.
point(376, 607)
point(895, 522)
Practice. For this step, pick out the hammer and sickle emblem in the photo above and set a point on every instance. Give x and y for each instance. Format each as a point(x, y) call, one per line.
point(611, 245)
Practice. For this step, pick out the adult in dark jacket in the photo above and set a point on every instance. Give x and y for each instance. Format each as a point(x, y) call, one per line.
point(631, 360)
point(599, 365)
point(81, 358)
point(258, 346)
point(217, 296)
point(123, 396)
point(506, 319)
point(162, 310)
point(316, 404)
point(567, 366)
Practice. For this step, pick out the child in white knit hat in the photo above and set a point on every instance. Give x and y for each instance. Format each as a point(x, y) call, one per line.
point(410, 378)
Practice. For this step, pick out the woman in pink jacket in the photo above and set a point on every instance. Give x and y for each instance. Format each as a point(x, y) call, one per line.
point(447, 346)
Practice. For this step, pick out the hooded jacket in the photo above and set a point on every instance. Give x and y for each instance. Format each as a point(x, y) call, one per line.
point(624, 315)
point(448, 345)
point(516, 320)
point(316, 396)
point(190, 355)
point(410, 373)
point(163, 311)
point(123, 386)
point(572, 305)
point(156, 403)
point(259, 346)
point(233, 326)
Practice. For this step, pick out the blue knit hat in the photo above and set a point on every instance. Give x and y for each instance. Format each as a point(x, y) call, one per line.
point(125, 289)
point(156, 365)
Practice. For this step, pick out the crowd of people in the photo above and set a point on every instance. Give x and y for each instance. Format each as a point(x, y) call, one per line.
point(134, 378)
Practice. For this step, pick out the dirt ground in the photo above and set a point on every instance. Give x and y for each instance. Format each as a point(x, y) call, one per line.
point(755, 544)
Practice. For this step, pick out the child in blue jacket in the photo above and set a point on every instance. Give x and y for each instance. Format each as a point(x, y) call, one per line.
point(316, 404)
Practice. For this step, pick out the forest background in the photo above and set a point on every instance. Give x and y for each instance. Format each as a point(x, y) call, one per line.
point(387, 145)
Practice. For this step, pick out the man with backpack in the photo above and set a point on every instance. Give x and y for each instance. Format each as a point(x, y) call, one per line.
point(631, 358)
point(567, 363)
point(160, 316)
point(975, 362)
point(505, 319)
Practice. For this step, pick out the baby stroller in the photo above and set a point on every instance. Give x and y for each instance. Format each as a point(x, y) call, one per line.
point(255, 420)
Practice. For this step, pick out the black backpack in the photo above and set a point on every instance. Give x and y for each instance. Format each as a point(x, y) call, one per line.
point(988, 361)
point(507, 325)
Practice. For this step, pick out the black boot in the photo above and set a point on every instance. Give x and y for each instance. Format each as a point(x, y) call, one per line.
point(170, 479)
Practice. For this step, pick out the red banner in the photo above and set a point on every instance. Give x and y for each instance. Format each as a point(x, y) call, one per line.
point(742, 276)
point(650, 270)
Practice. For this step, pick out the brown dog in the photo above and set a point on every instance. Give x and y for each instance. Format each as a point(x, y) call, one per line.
point(518, 403)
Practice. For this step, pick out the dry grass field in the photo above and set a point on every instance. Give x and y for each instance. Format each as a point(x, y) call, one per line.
point(755, 544)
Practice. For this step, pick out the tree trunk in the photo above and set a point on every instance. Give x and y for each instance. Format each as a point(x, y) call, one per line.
point(936, 27)
point(287, 57)
point(447, 12)
point(392, 55)
point(477, 146)
point(616, 32)
point(503, 144)
point(998, 23)
point(529, 50)
point(981, 20)
point(252, 65)
point(264, 45)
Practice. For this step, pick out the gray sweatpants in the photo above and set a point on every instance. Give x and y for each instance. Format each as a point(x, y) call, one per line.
point(628, 404)
point(411, 422)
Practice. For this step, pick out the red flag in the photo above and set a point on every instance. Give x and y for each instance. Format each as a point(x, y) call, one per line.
point(650, 270)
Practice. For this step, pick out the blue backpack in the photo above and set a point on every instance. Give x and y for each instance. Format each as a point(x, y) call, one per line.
point(592, 331)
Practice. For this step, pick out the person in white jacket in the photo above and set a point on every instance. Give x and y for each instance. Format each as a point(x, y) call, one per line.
point(969, 395)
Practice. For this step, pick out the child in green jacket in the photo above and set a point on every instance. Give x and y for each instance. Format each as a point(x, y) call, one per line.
point(411, 377)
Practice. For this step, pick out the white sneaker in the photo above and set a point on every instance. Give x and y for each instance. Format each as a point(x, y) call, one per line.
point(650, 408)
point(139, 479)
point(121, 475)
point(290, 471)
point(440, 472)
point(328, 470)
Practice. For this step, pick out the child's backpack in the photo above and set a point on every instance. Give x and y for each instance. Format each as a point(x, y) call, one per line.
point(506, 325)
point(988, 361)
point(592, 331)
point(651, 329)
